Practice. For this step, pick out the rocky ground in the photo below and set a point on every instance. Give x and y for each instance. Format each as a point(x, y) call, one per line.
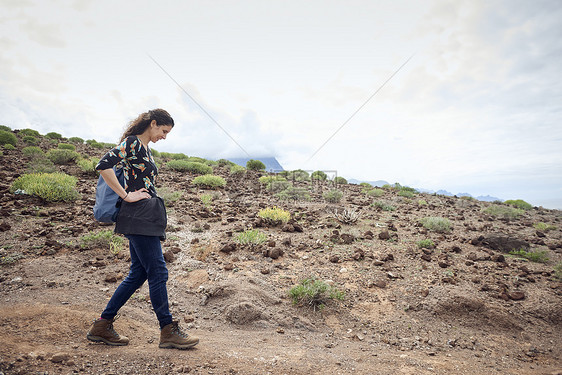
point(463, 307)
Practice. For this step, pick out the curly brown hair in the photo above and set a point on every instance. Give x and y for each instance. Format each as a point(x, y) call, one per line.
point(142, 122)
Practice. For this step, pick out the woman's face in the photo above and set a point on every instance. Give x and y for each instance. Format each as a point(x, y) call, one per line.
point(158, 132)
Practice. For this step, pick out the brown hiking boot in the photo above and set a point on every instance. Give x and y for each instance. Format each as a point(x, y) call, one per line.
point(171, 336)
point(102, 330)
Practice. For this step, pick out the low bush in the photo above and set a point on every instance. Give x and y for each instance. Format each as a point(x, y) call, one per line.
point(59, 156)
point(104, 239)
point(558, 271)
point(53, 135)
point(169, 196)
point(314, 293)
point(207, 200)
point(319, 176)
point(237, 170)
point(347, 216)
point(383, 206)
point(543, 227)
point(66, 146)
point(189, 166)
point(95, 144)
point(366, 185)
point(422, 202)
point(340, 180)
point(33, 152)
point(5, 128)
point(255, 165)
point(425, 244)
point(41, 164)
point(225, 163)
point(376, 192)
point(298, 175)
point(268, 179)
point(251, 237)
point(519, 203)
point(534, 256)
point(509, 213)
point(293, 193)
point(406, 193)
point(278, 186)
point(209, 181)
point(436, 224)
point(88, 165)
point(31, 132)
point(30, 140)
point(52, 187)
point(9, 146)
point(333, 196)
point(76, 140)
point(182, 156)
point(8, 138)
point(274, 215)
point(155, 153)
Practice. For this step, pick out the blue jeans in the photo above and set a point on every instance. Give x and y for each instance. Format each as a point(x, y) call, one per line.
point(147, 262)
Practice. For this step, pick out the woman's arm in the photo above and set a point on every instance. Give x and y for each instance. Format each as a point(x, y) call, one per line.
point(111, 181)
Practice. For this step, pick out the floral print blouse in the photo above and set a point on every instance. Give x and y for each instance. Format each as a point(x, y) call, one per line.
point(139, 168)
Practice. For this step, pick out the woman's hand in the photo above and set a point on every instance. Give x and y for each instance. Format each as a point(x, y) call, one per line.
point(137, 195)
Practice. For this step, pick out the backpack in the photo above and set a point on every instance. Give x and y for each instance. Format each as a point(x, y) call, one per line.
point(107, 201)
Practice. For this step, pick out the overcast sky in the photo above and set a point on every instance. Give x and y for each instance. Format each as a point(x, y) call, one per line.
point(476, 109)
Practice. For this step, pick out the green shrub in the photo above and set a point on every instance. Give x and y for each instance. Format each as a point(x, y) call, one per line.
point(225, 163)
point(197, 159)
point(333, 196)
point(251, 237)
point(31, 132)
point(41, 164)
point(543, 227)
point(59, 156)
point(537, 256)
point(383, 206)
point(255, 165)
point(104, 239)
point(278, 186)
point(366, 185)
point(5, 128)
point(1, 153)
point(8, 138)
point(374, 192)
point(298, 175)
point(340, 180)
point(436, 224)
point(166, 155)
point(319, 176)
point(209, 180)
point(406, 193)
point(558, 271)
point(206, 199)
point(189, 166)
point(237, 170)
point(53, 135)
point(155, 153)
point(422, 202)
point(77, 140)
point(88, 165)
point(425, 244)
point(30, 140)
point(509, 213)
point(95, 144)
point(182, 156)
point(268, 179)
point(52, 187)
point(274, 215)
point(519, 203)
point(314, 293)
point(293, 193)
point(9, 146)
point(169, 195)
point(33, 152)
point(66, 146)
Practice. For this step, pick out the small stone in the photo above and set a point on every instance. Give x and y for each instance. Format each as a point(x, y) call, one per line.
point(265, 271)
point(384, 235)
point(334, 258)
point(516, 295)
point(60, 357)
point(169, 256)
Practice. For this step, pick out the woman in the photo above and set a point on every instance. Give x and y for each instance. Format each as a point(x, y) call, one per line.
point(147, 260)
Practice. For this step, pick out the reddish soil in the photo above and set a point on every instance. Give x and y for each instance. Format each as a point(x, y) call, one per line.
point(463, 307)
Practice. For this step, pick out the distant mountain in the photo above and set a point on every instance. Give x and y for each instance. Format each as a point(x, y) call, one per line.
point(271, 163)
point(487, 198)
point(378, 183)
